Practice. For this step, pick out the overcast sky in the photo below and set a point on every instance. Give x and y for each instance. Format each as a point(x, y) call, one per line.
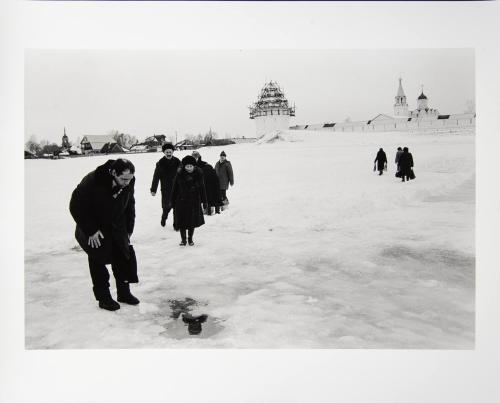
point(149, 92)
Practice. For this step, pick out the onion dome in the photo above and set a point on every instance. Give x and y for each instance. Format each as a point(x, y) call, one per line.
point(422, 96)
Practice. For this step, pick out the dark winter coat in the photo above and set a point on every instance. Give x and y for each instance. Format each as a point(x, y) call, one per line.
point(188, 194)
point(398, 156)
point(406, 163)
point(165, 173)
point(94, 209)
point(212, 185)
point(380, 159)
point(224, 172)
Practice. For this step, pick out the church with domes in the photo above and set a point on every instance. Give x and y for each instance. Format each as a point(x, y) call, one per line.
point(423, 118)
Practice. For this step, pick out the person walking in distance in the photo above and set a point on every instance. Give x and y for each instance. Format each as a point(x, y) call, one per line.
point(188, 196)
point(103, 206)
point(406, 165)
point(398, 156)
point(224, 171)
point(165, 171)
point(381, 161)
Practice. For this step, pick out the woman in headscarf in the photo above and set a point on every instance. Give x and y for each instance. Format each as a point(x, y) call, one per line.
point(188, 195)
point(381, 161)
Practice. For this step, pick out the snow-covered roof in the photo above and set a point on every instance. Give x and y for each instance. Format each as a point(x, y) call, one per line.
point(98, 138)
point(139, 147)
point(465, 115)
point(382, 116)
point(97, 141)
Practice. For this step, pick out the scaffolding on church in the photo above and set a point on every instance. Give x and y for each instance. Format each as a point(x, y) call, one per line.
point(271, 101)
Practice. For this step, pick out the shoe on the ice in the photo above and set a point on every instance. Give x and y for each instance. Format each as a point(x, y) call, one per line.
point(124, 295)
point(183, 243)
point(109, 304)
point(190, 242)
point(128, 299)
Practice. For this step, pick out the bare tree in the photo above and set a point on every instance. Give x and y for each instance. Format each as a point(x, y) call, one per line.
point(123, 139)
point(33, 146)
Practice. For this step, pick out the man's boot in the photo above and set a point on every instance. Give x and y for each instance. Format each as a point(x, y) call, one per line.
point(124, 295)
point(107, 302)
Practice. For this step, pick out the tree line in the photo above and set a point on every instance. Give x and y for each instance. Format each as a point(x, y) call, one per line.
point(124, 140)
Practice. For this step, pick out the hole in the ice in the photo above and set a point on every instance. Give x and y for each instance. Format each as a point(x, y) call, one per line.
point(185, 324)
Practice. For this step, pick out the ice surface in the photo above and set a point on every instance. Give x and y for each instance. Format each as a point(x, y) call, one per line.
point(315, 251)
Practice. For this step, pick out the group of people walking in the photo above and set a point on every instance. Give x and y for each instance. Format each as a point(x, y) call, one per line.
point(403, 160)
point(191, 187)
point(103, 207)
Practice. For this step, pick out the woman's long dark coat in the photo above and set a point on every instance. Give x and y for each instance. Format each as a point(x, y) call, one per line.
point(94, 209)
point(212, 185)
point(164, 174)
point(188, 193)
point(380, 159)
point(406, 163)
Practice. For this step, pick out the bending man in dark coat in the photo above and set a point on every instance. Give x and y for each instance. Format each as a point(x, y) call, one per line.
point(211, 184)
point(406, 165)
point(188, 195)
point(381, 161)
point(103, 207)
point(165, 171)
point(224, 171)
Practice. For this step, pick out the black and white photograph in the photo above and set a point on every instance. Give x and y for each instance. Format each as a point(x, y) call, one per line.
point(274, 199)
point(249, 201)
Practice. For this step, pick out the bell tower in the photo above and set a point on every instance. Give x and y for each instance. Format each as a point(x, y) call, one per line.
point(400, 105)
point(65, 140)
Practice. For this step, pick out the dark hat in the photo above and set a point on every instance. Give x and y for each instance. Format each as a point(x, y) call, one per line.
point(405, 149)
point(222, 154)
point(166, 146)
point(188, 160)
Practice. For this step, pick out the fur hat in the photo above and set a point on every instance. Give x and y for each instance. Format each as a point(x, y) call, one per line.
point(222, 154)
point(188, 160)
point(167, 146)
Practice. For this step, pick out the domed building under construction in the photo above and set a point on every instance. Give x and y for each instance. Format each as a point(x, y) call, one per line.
point(271, 111)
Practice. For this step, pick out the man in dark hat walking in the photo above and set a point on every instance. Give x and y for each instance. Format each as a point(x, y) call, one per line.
point(103, 206)
point(406, 165)
point(211, 183)
point(165, 171)
point(224, 171)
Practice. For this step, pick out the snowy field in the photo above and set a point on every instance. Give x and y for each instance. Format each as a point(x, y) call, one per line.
point(315, 251)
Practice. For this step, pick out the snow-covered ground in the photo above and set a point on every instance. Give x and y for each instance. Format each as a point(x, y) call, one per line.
point(315, 251)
